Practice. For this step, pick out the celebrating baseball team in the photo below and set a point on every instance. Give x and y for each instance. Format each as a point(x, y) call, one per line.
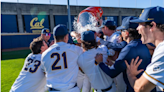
point(107, 58)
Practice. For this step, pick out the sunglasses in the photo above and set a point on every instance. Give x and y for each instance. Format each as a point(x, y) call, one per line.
point(48, 34)
point(123, 30)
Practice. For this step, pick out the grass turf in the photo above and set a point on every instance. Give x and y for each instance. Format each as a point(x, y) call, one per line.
point(11, 65)
point(10, 70)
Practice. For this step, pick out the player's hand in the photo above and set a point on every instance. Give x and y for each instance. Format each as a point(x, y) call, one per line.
point(132, 68)
point(120, 39)
point(109, 62)
point(99, 58)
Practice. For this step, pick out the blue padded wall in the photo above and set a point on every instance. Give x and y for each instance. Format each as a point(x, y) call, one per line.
point(9, 24)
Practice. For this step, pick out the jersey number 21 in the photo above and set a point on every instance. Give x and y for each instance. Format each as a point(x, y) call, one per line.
point(54, 67)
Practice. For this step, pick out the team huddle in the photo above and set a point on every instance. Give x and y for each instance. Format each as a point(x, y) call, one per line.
point(128, 58)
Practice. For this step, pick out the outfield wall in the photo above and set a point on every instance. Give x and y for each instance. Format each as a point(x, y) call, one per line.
point(20, 22)
point(16, 40)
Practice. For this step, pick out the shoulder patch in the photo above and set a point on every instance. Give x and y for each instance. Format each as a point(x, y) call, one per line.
point(156, 68)
point(57, 48)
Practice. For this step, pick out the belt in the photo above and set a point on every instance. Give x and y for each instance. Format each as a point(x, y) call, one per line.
point(52, 89)
point(107, 89)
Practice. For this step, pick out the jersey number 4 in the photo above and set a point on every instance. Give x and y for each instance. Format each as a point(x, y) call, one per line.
point(54, 67)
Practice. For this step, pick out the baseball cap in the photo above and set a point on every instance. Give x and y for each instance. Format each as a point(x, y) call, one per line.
point(45, 30)
point(60, 30)
point(127, 24)
point(87, 36)
point(93, 31)
point(150, 14)
point(108, 23)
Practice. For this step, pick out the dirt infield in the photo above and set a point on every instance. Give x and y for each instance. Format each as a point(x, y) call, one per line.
point(15, 49)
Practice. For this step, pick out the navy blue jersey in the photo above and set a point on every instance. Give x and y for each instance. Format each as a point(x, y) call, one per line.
point(48, 43)
point(114, 46)
point(132, 50)
point(117, 46)
point(151, 44)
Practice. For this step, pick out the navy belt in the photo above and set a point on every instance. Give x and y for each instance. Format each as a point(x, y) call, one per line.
point(52, 89)
point(107, 89)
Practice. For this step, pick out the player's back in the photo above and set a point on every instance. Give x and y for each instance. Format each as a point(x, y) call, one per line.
point(98, 79)
point(60, 64)
point(31, 77)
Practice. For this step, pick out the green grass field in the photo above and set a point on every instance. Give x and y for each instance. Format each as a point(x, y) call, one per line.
point(11, 65)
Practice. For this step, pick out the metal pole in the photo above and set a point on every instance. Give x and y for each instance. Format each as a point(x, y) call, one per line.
point(136, 3)
point(50, 1)
point(118, 3)
point(76, 2)
point(69, 17)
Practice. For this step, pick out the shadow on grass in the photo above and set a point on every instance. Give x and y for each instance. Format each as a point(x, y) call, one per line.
point(14, 54)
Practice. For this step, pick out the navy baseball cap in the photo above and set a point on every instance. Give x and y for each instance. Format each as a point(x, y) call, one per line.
point(93, 31)
point(45, 31)
point(108, 23)
point(87, 36)
point(60, 30)
point(127, 24)
point(150, 14)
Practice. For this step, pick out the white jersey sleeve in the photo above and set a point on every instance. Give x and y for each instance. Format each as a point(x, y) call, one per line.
point(114, 37)
point(103, 50)
point(155, 70)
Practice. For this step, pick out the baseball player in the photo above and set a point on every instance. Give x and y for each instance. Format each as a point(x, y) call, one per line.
point(31, 77)
point(98, 79)
point(114, 46)
point(133, 49)
point(111, 36)
point(151, 27)
point(60, 63)
point(82, 80)
point(45, 34)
